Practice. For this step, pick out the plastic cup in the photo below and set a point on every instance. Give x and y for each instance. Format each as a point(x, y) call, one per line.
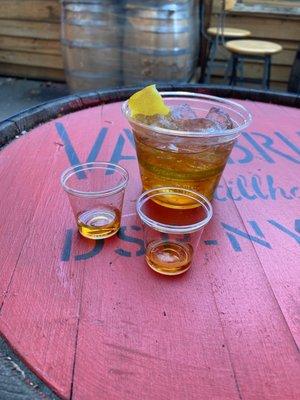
point(96, 192)
point(192, 160)
point(172, 235)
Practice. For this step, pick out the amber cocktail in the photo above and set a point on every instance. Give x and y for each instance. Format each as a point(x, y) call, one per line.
point(190, 147)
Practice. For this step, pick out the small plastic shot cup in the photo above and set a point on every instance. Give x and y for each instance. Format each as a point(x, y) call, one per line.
point(171, 235)
point(96, 192)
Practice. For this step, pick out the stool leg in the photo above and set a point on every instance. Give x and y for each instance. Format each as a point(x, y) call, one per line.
point(233, 70)
point(211, 59)
point(241, 69)
point(228, 70)
point(266, 72)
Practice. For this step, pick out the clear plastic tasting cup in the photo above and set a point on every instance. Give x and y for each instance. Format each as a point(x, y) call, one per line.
point(192, 152)
point(96, 192)
point(171, 235)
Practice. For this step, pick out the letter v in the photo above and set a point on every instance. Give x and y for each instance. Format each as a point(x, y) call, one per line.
point(70, 151)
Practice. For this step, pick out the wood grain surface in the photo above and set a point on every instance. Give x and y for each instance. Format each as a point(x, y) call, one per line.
point(94, 322)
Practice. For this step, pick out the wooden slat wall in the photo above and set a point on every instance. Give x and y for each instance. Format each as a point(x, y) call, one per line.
point(30, 39)
point(30, 47)
point(282, 29)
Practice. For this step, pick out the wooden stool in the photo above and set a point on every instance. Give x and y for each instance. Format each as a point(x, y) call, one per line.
point(218, 36)
point(242, 50)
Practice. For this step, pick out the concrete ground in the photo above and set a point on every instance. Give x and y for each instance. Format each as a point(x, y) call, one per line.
point(19, 94)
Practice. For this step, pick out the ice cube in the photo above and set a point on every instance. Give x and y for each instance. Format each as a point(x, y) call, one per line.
point(192, 125)
point(185, 119)
point(220, 117)
point(166, 122)
point(197, 125)
point(146, 119)
point(172, 147)
point(183, 111)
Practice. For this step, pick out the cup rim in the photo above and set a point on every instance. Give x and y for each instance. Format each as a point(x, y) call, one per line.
point(69, 172)
point(175, 229)
point(238, 108)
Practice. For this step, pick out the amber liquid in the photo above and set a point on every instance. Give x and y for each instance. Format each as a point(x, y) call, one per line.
point(169, 258)
point(197, 168)
point(99, 223)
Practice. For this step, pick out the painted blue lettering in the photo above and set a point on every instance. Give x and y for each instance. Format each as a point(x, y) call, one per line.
point(257, 147)
point(230, 160)
point(285, 230)
point(122, 235)
point(245, 188)
point(217, 195)
point(234, 242)
point(123, 253)
point(268, 144)
point(66, 251)
point(232, 231)
point(70, 151)
point(211, 242)
point(256, 228)
point(256, 184)
point(242, 185)
point(185, 238)
point(294, 191)
point(98, 246)
point(248, 156)
point(117, 155)
point(290, 144)
point(230, 195)
point(129, 136)
point(274, 190)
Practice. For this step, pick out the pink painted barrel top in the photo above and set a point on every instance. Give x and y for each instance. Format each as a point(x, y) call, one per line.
point(94, 322)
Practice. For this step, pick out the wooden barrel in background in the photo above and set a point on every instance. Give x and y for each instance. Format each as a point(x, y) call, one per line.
point(91, 42)
point(161, 41)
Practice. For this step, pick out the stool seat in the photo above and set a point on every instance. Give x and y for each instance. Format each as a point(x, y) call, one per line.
point(253, 47)
point(249, 50)
point(228, 32)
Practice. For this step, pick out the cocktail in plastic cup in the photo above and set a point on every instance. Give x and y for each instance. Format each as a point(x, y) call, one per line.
point(190, 147)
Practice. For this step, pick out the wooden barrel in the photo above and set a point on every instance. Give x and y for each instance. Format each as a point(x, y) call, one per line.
point(91, 42)
point(70, 304)
point(160, 41)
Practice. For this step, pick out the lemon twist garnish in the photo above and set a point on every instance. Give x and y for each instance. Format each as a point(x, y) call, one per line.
point(147, 101)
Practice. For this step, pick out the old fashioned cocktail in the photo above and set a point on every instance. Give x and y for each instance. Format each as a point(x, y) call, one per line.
point(189, 146)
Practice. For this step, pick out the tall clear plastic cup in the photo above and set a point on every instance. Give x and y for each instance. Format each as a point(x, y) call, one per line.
point(186, 158)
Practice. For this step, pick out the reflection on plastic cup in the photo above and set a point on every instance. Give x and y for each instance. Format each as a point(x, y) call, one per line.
point(172, 235)
point(96, 193)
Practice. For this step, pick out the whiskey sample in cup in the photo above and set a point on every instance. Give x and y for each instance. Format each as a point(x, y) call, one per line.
point(96, 192)
point(172, 235)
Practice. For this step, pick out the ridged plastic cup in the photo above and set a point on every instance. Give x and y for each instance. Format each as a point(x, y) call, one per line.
point(192, 160)
point(171, 236)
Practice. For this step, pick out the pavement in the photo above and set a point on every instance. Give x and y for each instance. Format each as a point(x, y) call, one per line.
point(19, 94)
point(17, 382)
